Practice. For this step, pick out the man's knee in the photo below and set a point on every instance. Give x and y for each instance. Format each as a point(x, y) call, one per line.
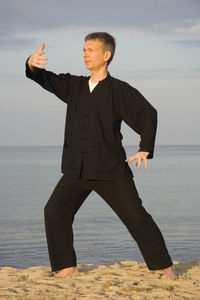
point(138, 215)
point(54, 210)
point(51, 209)
point(47, 209)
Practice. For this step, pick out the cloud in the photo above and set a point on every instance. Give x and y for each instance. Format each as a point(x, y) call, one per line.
point(20, 20)
point(160, 74)
point(85, 29)
point(17, 42)
point(189, 43)
point(194, 30)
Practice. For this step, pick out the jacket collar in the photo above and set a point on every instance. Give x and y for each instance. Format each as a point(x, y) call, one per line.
point(103, 80)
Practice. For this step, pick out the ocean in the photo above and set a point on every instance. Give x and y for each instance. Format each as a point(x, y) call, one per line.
point(169, 189)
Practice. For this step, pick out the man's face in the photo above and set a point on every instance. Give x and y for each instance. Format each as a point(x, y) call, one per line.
point(95, 56)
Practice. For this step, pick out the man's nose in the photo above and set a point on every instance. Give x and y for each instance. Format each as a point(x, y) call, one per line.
point(85, 54)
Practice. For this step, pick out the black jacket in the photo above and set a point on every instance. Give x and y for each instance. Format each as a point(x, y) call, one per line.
point(93, 122)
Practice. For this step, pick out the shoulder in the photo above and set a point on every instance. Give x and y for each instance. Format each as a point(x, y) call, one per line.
point(121, 85)
point(73, 77)
point(117, 81)
point(76, 81)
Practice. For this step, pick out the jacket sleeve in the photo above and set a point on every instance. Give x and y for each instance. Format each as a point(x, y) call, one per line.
point(141, 116)
point(58, 84)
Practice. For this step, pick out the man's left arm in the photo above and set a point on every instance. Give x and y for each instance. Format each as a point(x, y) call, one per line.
point(141, 116)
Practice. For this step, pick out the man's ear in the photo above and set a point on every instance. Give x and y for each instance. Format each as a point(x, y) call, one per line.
point(107, 55)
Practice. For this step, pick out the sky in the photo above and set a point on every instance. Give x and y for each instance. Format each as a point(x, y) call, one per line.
point(158, 46)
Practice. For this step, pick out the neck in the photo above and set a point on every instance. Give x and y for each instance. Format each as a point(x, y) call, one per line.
point(98, 75)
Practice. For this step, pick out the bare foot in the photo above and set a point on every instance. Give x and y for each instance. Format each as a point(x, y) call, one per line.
point(66, 272)
point(170, 273)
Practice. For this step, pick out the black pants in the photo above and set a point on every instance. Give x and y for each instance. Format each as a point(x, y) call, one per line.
point(122, 196)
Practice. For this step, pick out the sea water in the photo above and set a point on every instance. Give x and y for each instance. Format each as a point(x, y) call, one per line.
point(169, 189)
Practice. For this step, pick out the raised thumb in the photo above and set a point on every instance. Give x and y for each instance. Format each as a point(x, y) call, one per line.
point(42, 46)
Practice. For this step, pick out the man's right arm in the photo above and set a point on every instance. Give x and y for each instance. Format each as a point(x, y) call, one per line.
point(58, 84)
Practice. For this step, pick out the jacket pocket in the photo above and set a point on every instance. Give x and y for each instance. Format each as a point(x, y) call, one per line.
point(69, 158)
point(109, 160)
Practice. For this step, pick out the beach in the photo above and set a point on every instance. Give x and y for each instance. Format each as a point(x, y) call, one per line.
point(114, 280)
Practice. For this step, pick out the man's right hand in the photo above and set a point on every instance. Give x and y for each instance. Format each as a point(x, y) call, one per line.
point(36, 59)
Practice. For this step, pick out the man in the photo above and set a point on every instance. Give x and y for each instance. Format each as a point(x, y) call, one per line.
point(93, 156)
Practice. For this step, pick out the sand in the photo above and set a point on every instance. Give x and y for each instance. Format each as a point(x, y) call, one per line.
point(115, 280)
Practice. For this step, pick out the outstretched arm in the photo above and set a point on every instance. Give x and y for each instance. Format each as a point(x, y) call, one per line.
point(60, 85)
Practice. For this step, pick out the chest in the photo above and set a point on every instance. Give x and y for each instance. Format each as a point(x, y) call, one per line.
point(100, 103)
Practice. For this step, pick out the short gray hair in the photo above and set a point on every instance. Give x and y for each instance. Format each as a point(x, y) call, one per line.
point(108, 41)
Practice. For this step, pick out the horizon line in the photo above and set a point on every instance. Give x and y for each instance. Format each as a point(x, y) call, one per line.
point(135, 145)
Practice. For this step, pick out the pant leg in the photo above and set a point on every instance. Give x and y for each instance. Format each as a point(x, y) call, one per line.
point(59, 212)
point(122, 196)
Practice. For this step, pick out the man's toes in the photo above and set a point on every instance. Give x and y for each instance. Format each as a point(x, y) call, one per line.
point(65, 273)
point(171, 276)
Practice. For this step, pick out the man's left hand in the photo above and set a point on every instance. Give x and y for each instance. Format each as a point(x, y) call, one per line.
point(139, 156)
